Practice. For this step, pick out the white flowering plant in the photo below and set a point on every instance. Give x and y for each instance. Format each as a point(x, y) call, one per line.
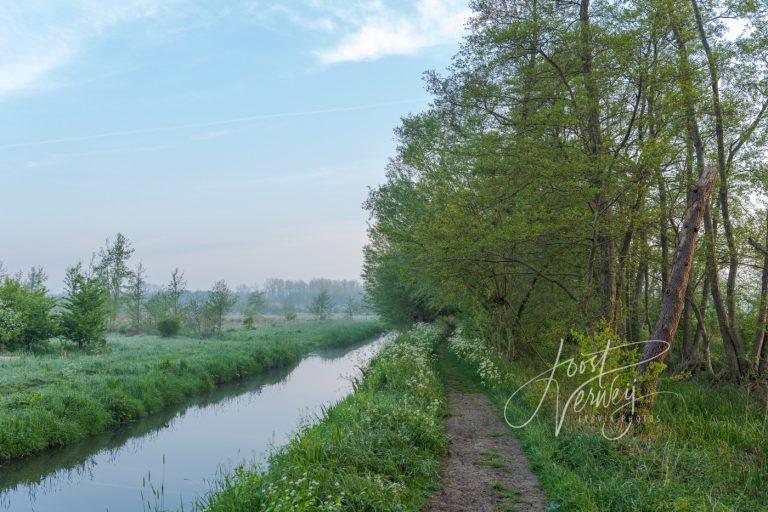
point(475, 353)
point(379, 449)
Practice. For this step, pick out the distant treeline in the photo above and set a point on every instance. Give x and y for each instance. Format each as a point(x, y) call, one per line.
point(111, 293)
point(281, 295)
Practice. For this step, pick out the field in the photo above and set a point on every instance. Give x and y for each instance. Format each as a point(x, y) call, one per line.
point(57, 398)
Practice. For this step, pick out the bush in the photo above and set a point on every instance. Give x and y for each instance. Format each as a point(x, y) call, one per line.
point(169, 327)
point(25, 315)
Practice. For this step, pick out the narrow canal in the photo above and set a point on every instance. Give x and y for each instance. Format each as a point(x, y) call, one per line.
point(170, 459)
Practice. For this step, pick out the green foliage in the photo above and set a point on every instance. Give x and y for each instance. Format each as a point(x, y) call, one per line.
point(135, 297)
point(175, 290)
point(705, 449)
point(351, 308)
point(113, 270)
point(248, 319)
point(322, 305)
point(52, 400)
point(379, 449)
point(25, 314)
point(169, 327)
point(257, 301)
point(158, 306)
point(86, 309)
point(289, 310)
point(220, 301)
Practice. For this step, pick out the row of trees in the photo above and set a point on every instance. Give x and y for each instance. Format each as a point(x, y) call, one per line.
point(111, 294)
point(543, 190)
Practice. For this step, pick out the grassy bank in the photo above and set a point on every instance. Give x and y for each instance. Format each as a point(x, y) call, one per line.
point(55, 399)
point(378, 449)
point(706, 450)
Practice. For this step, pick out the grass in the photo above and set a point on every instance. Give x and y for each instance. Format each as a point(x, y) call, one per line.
point(377, 450)
point(705, 452)
point(55, 399)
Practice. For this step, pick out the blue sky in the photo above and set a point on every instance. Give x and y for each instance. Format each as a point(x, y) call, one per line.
point(235, 140)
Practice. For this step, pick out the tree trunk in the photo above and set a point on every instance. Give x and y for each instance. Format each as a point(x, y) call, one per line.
point(734, 348)
point(605, 242)
point(762, 315)
point(733, 263)
point(657, 348)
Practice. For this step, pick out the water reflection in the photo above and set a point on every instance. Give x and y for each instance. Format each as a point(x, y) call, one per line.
point(171, 457)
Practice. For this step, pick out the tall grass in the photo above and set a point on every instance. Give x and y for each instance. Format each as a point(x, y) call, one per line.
point(707, 449)
point(377, 450)
point(53, 400)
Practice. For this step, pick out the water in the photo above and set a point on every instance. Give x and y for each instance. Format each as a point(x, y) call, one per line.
point(171, 458)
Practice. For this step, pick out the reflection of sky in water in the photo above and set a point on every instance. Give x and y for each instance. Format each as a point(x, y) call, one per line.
point(173, 456)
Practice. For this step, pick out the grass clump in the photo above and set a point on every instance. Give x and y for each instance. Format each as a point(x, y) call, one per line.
point(705, 451)
point(378, 449)
point(55, 399)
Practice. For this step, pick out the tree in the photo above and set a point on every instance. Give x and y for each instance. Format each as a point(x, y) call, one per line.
point(86, 308)
point(158, 307)
point(114, 271)
point(135, 297)
point(289, 310)
point(11, 326)
point(36, 279)
point(322, 305)
point(350, 308)
point(657, 348)
point(193, 316)
point(176, 289)
point(257, 301)
point(254, 305)
point(542, 189)
point(248, 319)
point(219, 303)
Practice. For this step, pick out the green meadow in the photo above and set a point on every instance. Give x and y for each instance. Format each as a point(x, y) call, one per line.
point(65, 395)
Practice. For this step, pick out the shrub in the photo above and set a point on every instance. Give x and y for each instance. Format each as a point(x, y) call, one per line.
point(169, 327)
point(25, 315)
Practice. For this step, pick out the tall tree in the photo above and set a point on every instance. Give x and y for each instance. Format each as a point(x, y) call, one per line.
point(176, 289)
point(113, 269)
point(85, 313)
point(136, 297)
point(219, 303)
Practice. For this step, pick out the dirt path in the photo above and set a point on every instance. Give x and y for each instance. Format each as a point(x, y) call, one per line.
point(487, 470)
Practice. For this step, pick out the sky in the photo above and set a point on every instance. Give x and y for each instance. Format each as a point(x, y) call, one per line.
point(235, 140)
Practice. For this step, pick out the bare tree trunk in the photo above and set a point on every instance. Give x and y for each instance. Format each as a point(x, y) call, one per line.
point(701, 329)
point(762, 365)
point(635, 322)
point(734, 348)
point(673, 298)
point(733, 262)
point(762, 315)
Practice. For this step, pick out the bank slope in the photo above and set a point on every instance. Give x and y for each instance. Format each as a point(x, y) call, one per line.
point(379, 449)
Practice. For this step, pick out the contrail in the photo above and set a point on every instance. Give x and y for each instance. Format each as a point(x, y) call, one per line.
point(207, 124)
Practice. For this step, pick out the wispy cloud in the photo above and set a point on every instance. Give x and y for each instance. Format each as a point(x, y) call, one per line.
point(40, 36)
point(205, 124)
point(379, 30)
